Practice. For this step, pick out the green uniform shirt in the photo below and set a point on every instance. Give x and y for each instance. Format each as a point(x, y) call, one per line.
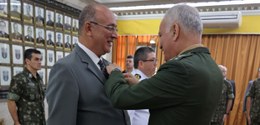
point(254, 93)
point(227, 93)
point(28, 94)
point(184, 91)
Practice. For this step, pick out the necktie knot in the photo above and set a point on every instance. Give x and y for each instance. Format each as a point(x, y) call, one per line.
point(101, 65)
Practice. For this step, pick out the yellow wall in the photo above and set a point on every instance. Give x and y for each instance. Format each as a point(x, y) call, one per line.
point(250, 25)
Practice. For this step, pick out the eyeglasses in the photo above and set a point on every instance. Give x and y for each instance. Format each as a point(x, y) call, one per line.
point(150, 60)
point(109, 27)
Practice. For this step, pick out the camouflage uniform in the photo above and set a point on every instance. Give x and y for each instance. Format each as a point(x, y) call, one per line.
point(28, 94)
point(227, 93)
point(254, 93)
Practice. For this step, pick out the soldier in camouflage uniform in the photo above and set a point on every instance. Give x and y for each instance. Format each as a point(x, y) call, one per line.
point(253, 110)
point(224, 104)
point(26, 94)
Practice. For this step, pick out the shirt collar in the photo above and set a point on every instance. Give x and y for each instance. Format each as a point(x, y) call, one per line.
point(91, 54)
point(191, 47)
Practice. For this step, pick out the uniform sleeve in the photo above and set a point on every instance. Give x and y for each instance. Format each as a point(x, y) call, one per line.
point(158, 91)
point(251, 91)
point(62, 96)
point(15, 89)
point(230, 94)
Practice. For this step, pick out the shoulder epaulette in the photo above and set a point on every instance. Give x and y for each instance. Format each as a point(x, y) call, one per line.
point(138, 76)
point(179, 57)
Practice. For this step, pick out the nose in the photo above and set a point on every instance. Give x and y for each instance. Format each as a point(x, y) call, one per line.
point(114, 35)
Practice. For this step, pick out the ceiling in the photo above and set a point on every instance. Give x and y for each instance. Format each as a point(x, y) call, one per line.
point(80, 4)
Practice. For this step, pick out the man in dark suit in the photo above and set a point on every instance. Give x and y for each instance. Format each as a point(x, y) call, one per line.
point(186, 88)
point(40, 39)
point(16, 34)
point(75, 93)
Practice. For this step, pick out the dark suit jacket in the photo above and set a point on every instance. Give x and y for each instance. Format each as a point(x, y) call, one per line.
point(76, 94)
point(184, 91)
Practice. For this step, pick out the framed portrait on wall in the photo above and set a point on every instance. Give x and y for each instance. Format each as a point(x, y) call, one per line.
point(5, 53)
point(17, 69)
point(67, 41)
point(15, 9)
point(3, 8)
point(43, 56)
point(59, 20)
point(59, 40)
point(28, 47)
point(17, 54)
point(5, 73)
point(39, 16)
point(75, 26)
point(42, 75)
point(75, 41)
point(59, 55)
point(4, 29)
point(27, 13)
point(49, 19)
point(29, 34)
point(47, 75)
point(50, 58)
point(40, 36)
point(50, 38)
point(67, 23)
point(66, 54)
point(16, 31)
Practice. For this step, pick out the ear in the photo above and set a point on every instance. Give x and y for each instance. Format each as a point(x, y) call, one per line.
point(175, 31)
point(140, 63)
point(26, 61)
point(87, 28)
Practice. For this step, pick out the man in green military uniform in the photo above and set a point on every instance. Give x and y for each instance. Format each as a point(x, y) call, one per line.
point(26, 94)
point(253, 102)
point(186, 88)
point(225, 102)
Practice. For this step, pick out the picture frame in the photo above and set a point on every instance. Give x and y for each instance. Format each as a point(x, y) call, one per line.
point(5, 75)
point(49, 18)
point(75, 41)
point(43, 56)
point(42, 74)
point(59, 55)
point(50, 38)
point(39, 16)
point(67, 41)
point(50, 57)
point(66, 54)
point(67, 23)
point(48, 75)
point(59, 40)
point(5, 53)
point(29, 34)
point(40, 36)
point(15, 9)
point(16, 34)
point(3, 8)
point(28, 13)
point(4, 29)
point(75, 26)
point(17, 54)
point(59, 20)
point(17, 69)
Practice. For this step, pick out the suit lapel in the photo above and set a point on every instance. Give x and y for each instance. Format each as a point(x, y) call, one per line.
point(90, 64)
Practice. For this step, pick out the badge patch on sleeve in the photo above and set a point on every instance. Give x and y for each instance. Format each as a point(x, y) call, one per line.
point(138, 76)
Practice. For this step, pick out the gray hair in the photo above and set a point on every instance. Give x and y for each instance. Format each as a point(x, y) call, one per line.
point(87, 14)
point(187, 16)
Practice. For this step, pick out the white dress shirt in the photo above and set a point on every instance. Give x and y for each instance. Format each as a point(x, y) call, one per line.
point(141, 116)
